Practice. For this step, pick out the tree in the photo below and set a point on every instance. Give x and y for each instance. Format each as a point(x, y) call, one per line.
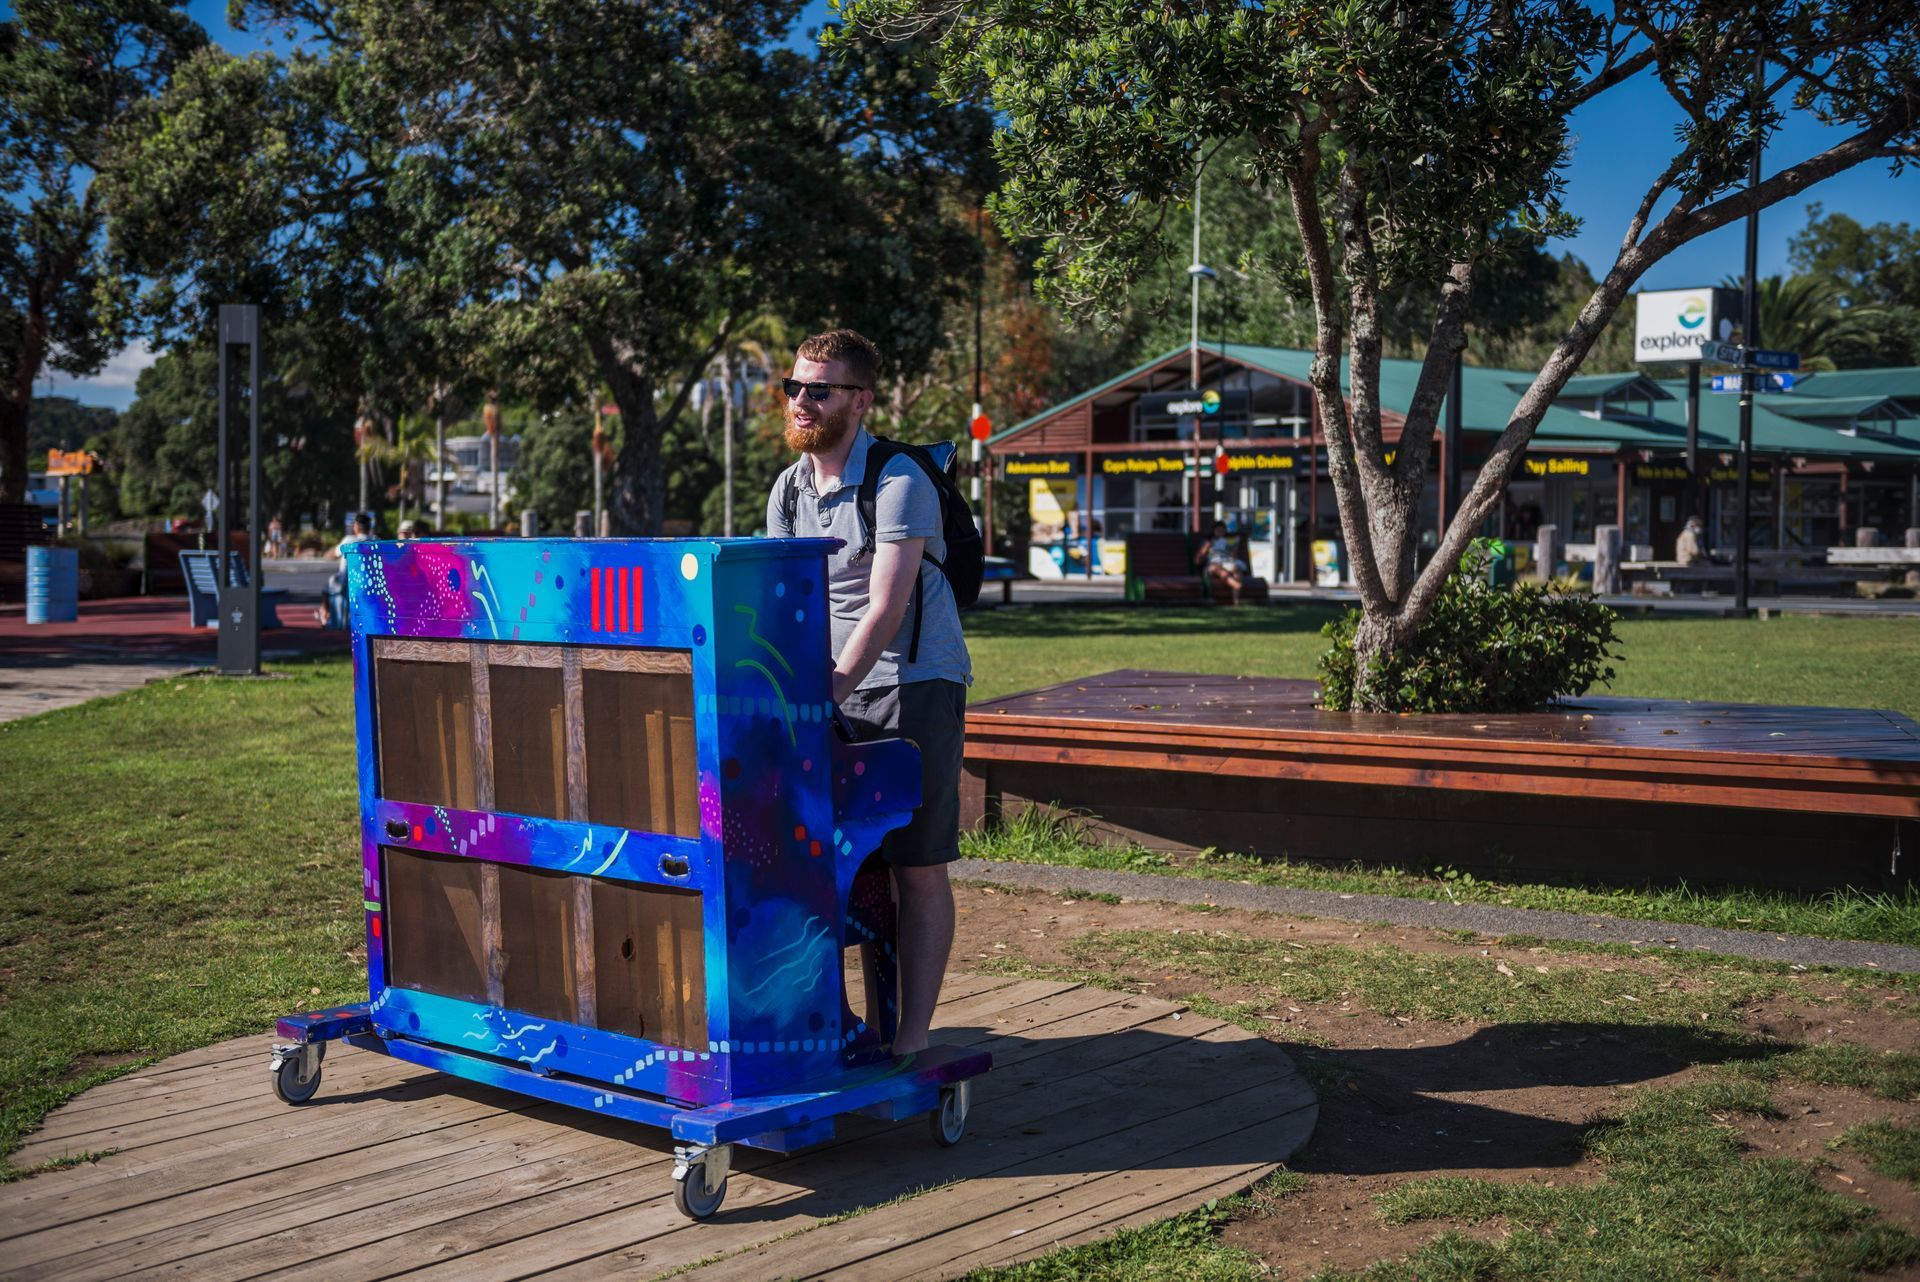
point(1877, 265)
point(69, 74)
point(166, 442)
point(1416, 143)
point(631, 181)
point(1799, 314)
point(1874, 274)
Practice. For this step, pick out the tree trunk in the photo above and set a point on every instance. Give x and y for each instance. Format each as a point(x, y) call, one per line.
point(1377, 638)
point(13, 448)
point(639, 482)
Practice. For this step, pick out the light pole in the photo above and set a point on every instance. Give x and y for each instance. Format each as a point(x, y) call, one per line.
point(1196, 270)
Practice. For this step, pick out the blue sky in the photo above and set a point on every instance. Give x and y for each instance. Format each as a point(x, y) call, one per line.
point(1621, 141)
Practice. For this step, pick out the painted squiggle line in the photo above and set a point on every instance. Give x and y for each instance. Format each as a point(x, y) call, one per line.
point(800, 942)
point(478, 1037)
point(585, 842)
point(544, 1052)
point(611, 857)
point(753, 634)
point(798, 961)
point(491, 621)
point(480, 575)
point(515, 1034)
point(786, 712)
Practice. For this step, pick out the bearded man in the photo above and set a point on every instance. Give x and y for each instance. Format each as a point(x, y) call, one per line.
point(888, 684)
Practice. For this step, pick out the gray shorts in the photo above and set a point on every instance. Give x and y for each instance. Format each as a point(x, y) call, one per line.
point(933, 715)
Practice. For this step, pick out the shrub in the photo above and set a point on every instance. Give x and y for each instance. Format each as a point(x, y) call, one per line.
point(1482, 649)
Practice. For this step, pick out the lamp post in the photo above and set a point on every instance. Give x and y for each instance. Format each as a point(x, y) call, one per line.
point(1199, 271)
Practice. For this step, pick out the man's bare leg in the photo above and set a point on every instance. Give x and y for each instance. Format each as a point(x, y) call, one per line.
point(924, 939)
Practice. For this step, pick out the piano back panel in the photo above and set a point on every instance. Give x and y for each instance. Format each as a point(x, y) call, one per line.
point(621, 816)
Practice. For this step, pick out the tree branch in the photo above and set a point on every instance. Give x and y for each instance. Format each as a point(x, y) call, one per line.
point(1324, 375)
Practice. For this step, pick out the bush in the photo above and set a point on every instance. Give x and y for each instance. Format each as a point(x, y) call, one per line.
point(1482, 649)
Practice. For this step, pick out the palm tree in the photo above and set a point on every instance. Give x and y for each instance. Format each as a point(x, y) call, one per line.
point(409, 455)
point(1799, 314)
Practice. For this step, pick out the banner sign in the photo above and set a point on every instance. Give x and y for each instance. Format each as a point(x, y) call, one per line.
point(1760, 476)
point(1043, 465)
point(1144, 464)
point(1670, 324)
point(1649, 473)
point(1261, 461)
point(1237, 403)
point(69, 462)
point(1560, 465)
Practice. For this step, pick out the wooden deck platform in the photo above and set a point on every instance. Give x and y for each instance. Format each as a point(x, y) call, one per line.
point(1620, 786)
point(1102, 1110)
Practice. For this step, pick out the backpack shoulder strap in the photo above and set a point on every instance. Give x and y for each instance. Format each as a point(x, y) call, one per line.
point(879, 454)
point(790, 499)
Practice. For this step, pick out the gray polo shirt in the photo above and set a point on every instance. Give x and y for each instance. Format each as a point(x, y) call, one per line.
point(905, 506)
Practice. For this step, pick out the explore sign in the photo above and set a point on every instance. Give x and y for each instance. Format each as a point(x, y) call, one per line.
point(1670, 324)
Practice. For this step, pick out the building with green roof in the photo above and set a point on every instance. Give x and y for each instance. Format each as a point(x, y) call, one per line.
point(1837, 454)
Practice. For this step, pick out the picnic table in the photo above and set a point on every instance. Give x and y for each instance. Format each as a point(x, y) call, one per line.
point(999, 569)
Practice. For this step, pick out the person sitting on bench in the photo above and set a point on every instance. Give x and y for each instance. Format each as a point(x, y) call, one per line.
point(332, 611)
point(1223, 567)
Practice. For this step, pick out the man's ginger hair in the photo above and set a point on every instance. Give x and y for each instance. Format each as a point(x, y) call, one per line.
point(853, 350)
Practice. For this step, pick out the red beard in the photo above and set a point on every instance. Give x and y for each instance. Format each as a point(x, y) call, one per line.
point(829, 430)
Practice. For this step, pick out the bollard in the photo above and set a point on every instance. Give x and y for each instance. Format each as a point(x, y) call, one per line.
point(1868, 537)
point(1606, 560)
point(583, 524)
point(1546, 550)
point(530, 523)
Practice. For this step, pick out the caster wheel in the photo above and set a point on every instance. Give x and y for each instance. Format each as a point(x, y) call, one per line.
point(690, 1195)
point(949, 1122)
point(287, 1084)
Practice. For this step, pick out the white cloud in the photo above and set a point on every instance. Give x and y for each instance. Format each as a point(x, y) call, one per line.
point(123, 368)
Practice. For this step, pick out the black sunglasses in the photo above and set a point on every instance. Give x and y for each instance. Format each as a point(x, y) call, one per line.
point(815, 391)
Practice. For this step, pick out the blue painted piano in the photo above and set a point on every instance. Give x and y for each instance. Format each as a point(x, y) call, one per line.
point(616, 853)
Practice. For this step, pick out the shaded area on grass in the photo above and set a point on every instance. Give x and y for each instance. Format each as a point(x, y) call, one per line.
point(1660, 1187)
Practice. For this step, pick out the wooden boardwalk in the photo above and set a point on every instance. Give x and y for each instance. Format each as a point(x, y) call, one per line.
point(1102, 1110)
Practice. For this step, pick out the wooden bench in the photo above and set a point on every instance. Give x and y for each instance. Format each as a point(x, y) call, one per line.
point(998, 569)
point(203, 590)
point(1160, 569)
point(1622, 791)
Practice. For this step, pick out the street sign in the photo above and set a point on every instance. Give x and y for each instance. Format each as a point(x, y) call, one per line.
point(1722, 353)
point(981, 428)
point(1771, 382)
point(1765, 382)
point(1765, 359)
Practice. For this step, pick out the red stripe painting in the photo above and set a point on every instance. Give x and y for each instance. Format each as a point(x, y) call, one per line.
point(618, 603)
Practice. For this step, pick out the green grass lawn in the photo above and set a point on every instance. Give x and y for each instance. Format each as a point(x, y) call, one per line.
point(178, 864)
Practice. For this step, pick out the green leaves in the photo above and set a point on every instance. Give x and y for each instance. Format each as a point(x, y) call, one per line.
point(1480, 649)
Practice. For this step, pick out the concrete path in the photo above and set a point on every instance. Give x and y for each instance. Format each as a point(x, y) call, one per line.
point(125, 642)
point(1487, 919)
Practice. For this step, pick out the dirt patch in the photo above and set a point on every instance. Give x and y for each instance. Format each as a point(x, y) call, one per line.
point(87, 1064)
point(1406, 1099)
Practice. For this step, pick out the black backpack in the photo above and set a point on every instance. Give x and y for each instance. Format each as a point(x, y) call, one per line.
point(966, 558)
